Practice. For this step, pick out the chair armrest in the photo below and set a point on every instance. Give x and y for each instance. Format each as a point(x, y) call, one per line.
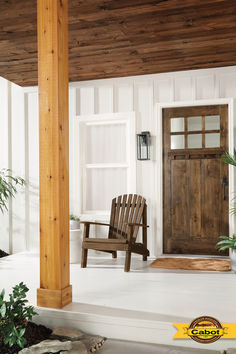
point(135, 224)
point(94, 223)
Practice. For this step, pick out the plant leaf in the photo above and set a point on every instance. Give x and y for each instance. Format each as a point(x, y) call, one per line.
point(3, 310)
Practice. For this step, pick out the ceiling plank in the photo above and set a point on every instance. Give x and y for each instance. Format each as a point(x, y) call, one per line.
point(109, 38)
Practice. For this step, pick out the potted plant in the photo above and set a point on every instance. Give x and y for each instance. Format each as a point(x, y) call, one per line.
point(75, 239)
point(74, 222)
point(229, 243)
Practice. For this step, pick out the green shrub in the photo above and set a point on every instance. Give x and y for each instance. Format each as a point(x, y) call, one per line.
point(14, 316)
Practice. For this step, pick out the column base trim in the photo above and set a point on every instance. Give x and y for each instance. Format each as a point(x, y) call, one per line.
point(54, 298)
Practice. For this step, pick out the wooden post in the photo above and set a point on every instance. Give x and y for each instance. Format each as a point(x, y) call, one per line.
point(55, 290)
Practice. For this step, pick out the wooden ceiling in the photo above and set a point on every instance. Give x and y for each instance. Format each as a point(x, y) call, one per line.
point(114, 38)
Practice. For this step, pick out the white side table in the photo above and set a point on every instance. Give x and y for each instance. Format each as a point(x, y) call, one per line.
point(75, 245)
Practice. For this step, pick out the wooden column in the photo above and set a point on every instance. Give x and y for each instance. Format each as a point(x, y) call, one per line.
point(55, 290)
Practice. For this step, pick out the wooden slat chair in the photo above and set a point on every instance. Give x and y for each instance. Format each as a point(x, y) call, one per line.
point(128, 213)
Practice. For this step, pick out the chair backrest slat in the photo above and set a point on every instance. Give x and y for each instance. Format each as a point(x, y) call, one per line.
point(125, 209)
point(128, 206)
point(132, 210)
point(136, 209)
point(139, 217)
point(112, 218)
point(122, 213)
point(117, 214)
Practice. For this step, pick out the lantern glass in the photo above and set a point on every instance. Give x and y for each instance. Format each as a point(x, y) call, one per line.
point(143, 146)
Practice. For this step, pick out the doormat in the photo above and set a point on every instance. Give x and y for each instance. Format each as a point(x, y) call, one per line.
point(211, 264)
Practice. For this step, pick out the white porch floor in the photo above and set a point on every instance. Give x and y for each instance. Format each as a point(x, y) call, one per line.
point(140, 305)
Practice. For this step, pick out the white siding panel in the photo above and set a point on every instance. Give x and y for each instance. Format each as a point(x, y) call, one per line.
point(105, 99)
point(125, 98)
point(183, 89)
point(205, 87)
point(228, 85)
point(73, 96)
point(18, 168)
point(138, 94)
point(163, 91)
point(86, 100)
point(33, 126)
point(4, 155)
point(144, 105)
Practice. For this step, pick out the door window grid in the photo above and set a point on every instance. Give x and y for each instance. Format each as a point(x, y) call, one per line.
point(195, 132)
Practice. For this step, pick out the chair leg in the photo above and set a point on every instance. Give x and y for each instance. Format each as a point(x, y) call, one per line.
point(144, 258)
point(84, 257)
point(114, 254)
point(127, 261)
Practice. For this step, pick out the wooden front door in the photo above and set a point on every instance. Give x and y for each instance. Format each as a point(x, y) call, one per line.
point(195, 180)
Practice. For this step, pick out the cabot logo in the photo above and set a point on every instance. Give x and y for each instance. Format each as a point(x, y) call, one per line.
point(205, 329)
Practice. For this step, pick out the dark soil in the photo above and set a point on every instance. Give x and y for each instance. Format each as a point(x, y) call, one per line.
point(34, 334)
point(3, 254)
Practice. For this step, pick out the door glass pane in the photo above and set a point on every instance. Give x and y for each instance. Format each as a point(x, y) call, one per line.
point(212, 122)
point(212, 140)
point(194, 123)
point(194, 141)
point(177, 142)
point(177, 125)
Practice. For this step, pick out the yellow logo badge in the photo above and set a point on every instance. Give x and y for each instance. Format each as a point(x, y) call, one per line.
point(205, 329)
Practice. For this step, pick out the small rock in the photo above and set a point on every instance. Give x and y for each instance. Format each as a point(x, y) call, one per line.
point(78, 347)
point(90, 342)
point(48, 346)
point(67, 333)
point(93, 343)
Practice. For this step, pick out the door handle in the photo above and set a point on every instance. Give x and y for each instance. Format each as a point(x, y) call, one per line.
point(224, 183)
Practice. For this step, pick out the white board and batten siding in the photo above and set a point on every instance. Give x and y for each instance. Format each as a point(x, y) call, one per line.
point(139, 95)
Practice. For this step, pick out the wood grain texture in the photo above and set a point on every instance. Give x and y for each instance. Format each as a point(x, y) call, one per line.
point(194, 212)
point(54, 145)
point(54, 298)
point(109, 38)
point(195, 218)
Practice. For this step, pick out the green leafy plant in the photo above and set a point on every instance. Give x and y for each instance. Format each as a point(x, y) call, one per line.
point(233, 208)
point(8, 187)
point(14, 316)
point(226, 242)
point(230, 159)
point(74, 218)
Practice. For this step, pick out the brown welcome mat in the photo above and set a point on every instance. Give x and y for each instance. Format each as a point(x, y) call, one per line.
point(192, 264)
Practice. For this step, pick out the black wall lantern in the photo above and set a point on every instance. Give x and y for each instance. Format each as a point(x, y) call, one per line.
point(143, 146)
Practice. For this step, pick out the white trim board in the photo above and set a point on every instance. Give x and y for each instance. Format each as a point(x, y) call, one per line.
point(159, 151)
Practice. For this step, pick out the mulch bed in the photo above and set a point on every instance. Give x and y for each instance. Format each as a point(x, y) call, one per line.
point(34, 334)
point(3, 254)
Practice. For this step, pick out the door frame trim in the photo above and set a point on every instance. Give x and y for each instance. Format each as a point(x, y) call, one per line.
point(158, 242)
